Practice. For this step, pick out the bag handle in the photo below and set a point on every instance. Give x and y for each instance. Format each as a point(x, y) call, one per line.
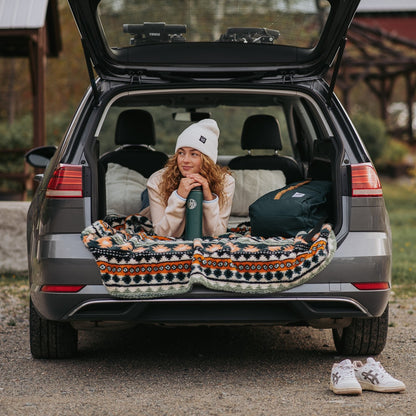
point(290, 188)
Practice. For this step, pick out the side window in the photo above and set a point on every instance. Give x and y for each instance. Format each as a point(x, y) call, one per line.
point(287, 149)
point(305, 131)
point(108, 129)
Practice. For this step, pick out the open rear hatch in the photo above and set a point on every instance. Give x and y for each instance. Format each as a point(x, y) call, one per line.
point(212, 39)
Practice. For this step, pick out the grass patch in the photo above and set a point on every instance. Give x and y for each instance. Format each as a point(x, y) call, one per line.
point(400, 201)
point(14, 284)
point(7, 279)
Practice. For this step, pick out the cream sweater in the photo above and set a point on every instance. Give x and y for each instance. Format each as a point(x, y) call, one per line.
point(169, 221)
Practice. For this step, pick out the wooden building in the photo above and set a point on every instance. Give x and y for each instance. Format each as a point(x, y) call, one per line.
point(398, 17)
point(381, 49)
point(30, 29)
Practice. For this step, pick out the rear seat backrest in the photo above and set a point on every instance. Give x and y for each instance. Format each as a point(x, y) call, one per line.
point(262, 131)
point(135, 134)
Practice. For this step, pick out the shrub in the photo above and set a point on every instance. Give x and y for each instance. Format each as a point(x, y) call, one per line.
point(17, 135)
point(373, 133)
point(394, 153)
point(394, 162)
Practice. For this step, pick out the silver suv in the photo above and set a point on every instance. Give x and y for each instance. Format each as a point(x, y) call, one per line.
point(159, 66)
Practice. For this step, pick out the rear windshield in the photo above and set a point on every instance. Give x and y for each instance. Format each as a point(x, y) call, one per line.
point(134, 23)
point(230, 121)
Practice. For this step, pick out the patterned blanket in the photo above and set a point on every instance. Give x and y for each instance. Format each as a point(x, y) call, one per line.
point(135, 263)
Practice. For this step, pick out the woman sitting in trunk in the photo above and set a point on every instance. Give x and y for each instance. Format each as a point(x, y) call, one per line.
point(192, 165)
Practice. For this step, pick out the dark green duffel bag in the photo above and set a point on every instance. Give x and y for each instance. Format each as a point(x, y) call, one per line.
point(297, 207)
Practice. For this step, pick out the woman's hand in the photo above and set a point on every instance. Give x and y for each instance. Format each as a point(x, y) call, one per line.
point(191, 181)
point(186, 185)
point(208, 196)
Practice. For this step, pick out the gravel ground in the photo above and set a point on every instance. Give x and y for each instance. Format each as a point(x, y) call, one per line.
point(195, 371)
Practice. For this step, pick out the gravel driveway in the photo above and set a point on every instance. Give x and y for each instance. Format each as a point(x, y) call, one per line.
point(195, 371)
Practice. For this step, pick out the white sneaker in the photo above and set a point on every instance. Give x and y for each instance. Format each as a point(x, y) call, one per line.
point(343, 379)
point(372, 376)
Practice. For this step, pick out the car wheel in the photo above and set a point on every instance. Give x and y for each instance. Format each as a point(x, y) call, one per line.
point(365, 336)
point(50, 339)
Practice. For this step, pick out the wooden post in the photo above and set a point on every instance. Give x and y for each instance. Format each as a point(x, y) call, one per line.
point(37, 62)
point(410, 91)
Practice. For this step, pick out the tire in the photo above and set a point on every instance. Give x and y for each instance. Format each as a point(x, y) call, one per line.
point(50, 339)
point(365, 336)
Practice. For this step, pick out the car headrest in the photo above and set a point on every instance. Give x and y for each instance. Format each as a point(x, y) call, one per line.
point(135, 127)
point(261, 131)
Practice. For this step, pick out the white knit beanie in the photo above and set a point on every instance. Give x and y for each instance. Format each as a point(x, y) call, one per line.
point(202, 136)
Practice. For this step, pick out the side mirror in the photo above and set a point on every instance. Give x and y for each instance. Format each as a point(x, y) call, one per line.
point(39, 157)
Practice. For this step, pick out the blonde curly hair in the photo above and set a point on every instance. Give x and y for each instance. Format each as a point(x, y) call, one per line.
point(213, 173)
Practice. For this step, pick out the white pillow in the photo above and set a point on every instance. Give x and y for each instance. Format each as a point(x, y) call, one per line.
point(124, 189)
point(251, 185)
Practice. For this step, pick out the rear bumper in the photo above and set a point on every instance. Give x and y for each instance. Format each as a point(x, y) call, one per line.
point(362, 257)
point(298, 306)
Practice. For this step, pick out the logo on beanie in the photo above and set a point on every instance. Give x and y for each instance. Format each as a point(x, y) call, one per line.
point(202, 139)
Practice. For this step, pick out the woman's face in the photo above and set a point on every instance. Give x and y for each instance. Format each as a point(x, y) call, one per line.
point(189, 160)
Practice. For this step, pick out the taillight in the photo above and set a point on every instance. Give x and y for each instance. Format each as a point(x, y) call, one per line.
point(66, 182)
point(365, 181)
point(372, 286)
point(62, 288)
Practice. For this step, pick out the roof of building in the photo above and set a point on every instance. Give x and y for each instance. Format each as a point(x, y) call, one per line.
point(22, 14)
point(19, 18)
point(386, 6)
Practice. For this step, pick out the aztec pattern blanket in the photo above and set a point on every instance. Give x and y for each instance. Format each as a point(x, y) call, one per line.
point(135, 263)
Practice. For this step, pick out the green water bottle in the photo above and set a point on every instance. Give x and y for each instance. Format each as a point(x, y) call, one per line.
point(193, 218)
